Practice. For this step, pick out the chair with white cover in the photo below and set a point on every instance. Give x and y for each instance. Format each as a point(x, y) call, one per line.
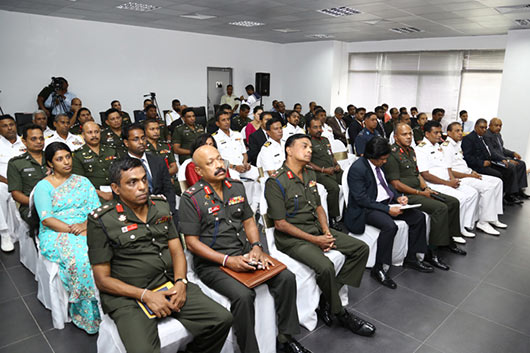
point(181, 175)
point(265, 313)
point(370, 235)
point(308, 292)
point(27, 248)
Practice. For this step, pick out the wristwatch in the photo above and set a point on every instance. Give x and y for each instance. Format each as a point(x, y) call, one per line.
point(183, 280)
point(258, 243)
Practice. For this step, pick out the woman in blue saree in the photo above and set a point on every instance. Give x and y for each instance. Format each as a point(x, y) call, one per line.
point(62, 201)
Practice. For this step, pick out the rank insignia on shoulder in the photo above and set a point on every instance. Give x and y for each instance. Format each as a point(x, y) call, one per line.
point(122, 218)
point(228, 184)
point(267, 144)
point(446, 143)
point(290, 174)
point(119, 208)
point(312, 183)
point(129, 228)
point(236, 200)
point(215, 133)
point(421, 144)
point(207, 190)
point(394, 149)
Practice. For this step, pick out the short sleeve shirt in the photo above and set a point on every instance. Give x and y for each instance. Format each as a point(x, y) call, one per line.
point(231, 147)
point(271, 156)
point(455, 156)
point(9, 150)
point(401, 165)
point(431, 159)
point(24, 172)
point(184, 135)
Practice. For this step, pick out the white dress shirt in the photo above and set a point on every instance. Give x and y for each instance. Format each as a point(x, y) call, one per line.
point(431, 159)
point(271, 155)
point(171, 116)
point(327, 132)
point(455, 156)
point(231, 147)
point(144, 161)
point(289, 130)
point(381, 192)
point(9, 150)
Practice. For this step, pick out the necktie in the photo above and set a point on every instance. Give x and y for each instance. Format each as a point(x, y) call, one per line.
point(383, 183)
point(149, 176)
point(487, 148)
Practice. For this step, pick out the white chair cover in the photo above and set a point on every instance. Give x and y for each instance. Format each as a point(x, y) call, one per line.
point(308, 293)
point(28, 251)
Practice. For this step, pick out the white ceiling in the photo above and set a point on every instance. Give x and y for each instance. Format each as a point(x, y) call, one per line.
point(436, 18)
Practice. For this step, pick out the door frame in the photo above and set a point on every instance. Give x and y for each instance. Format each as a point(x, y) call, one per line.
point(213, 68)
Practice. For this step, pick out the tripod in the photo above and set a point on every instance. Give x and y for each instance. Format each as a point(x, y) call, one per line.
point(155, 103)
point(58, 100)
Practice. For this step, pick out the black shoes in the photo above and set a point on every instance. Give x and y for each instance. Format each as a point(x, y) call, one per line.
point(437, 262)
point(382, 277)
point(335, 225)
point(293, 346)
point(419, 266)
point(324, 311)
point(456, 250)
point(522, 195)
point(512, 200)
point(356, 324)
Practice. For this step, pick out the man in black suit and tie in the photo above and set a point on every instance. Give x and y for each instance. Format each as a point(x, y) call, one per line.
point(356, 126)
point(155, 167)
point(280, 113)
point(369, 202)
point(258, 138)
point(380, 112)
point(511, 159)
point(479, 157)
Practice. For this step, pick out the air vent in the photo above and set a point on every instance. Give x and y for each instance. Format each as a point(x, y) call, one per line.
point(320, 36)
point(405, 30)
point(198, 16)
point(523, 22)
point(247, 24)
point(513, 8)
point(339, 11)
point(286, 30)
point(134, 6)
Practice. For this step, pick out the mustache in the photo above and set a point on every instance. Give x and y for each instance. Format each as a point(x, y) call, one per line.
point(219, 171)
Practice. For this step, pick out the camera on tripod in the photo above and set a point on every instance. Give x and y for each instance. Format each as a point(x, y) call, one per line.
point(57, 83)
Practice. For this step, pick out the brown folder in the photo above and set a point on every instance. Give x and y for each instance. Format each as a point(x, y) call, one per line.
point(255, 278)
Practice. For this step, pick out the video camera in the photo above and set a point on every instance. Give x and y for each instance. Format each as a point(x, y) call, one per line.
point(57, 83)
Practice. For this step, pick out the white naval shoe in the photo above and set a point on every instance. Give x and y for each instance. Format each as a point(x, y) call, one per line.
point(467, 234)
point(459, 240)
point(7, 243)
point(487, 228)
point(499, 225)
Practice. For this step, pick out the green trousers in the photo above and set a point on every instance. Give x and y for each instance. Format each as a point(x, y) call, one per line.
point(332, 185)
point(355, 251)
point(445, 217)
point(208, 322)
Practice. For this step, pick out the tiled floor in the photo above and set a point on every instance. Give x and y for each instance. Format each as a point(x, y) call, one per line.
point(481, 306)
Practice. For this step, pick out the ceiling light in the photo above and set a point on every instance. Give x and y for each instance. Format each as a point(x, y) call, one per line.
point(246, 23)
point(405, 30)
point(134, 6)
point(286, 30)
point(523, 22)
point(198, 16)
point(339, 11)
point(513, 8)
point(320, 36)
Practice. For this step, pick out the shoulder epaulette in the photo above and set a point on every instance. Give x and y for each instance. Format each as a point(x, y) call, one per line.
point(159, 197)
point(267, 144)
point(394, 148)
point(421, 144)
point(192, 190)
point(100, 211)
point(215, 133)
point(446, 143)
point(20, 156)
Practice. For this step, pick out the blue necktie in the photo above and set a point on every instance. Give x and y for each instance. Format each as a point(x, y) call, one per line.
point(149, 176)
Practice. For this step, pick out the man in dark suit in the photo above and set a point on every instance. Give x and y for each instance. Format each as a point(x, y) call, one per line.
point(156, 169)
point(380, 112)
point(280, 113)
point(370, 202)
point(338, 125)
point(511, 159)
point(356, 126)
point(349, 117)
point(258, 138)
point(479, 158)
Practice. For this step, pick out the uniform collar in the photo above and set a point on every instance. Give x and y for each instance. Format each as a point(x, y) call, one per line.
point(451, 141)
point(131, 216)
point(428, 143)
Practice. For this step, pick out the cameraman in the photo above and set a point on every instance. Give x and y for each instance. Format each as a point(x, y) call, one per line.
point(55, 99)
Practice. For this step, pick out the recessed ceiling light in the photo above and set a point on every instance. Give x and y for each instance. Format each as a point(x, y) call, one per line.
point(320, 36)
point(405, 30)
point(513, 8)
point(198, 16)
point(246, 23)
point(340, 11)
point(286, 30)
point(134, 6)
point(523, 22)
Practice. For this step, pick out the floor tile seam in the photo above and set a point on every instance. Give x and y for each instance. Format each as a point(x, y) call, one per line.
point(426, 295)
point(364, 297)
point(494, 322)
point(514, 265)
point(312, 332)
point(21, 340)
point(463, 301)
point(506, 289)
point(30, 312)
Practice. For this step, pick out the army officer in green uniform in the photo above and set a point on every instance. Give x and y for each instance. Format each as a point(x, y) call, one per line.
point(402, 172)
point(185, 134)
point(134, 247)
point(220, 230)
point(93, 160)
point(302, 232)
point(327, 169)
point(111, 135)
point(26, 170)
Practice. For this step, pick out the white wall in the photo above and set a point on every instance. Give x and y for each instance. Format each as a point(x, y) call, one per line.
point(105, 61)
point(514, 96)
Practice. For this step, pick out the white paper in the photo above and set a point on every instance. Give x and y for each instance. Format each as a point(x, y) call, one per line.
point(105, 188)
point(406, 207)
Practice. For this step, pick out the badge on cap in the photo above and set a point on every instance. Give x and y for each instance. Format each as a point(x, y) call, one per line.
point(290, 174)
point(213, 209)
point(129, 228)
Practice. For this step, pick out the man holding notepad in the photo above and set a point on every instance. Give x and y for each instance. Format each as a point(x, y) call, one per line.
point(371, 200)
point(223, 237)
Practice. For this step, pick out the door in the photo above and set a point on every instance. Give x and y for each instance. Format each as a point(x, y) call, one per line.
point(218, 79)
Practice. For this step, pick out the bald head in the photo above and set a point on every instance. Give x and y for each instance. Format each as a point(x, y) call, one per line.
point(495, 125)
point(201, 154)
point(76, 104)
point(91, 133)
point(403, 134)
point(209, 164)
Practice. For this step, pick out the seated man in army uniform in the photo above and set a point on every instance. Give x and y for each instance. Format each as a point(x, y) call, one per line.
point(134, 247)
point(303, 233)
point(220, 229)
point(185, 134)
point(111, 135)
point(93, 160)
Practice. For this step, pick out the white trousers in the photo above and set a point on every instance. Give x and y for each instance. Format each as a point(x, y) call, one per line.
point(468, 198)
point(9, 217)
point(490, 196)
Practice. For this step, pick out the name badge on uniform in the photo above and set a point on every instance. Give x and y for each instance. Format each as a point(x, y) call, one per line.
point(29, 169)
point(236, 200)
point(129, 228)
point(90, 160)
point(213, 209)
